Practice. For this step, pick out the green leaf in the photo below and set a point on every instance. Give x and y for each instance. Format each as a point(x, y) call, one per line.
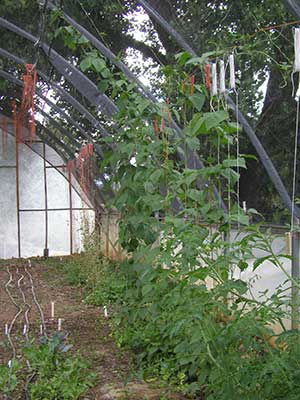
point(240, 162)
point(83, 40)
point(143, 104)
point(198, 101)
point(230, 174)
point(213, 119)
point(240, 286)
point(195, 195)
point(176, 113)
point(241, 218)
point(147, 289)
point(105, 72)
point(253, 211)
point(260, 261)
point(103, 85)
point(194, 61)
point(232, 127)
point(243, 265)
point(86, 63)
point(197, 125)
point(182, 57)
point(98, 64)
point(156, 176)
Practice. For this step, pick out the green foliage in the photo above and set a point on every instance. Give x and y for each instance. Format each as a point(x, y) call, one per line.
point(57, 376)
point(49, 372)
point(74, 271)
point(213, 341)
point(9, 377)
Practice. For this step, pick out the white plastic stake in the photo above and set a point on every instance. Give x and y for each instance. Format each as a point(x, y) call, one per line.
point(59, 324)
point(9, 364)
point(29, 263)
point(297, 49)
point(214, 86)
point(232, 71)
point(105, 312)
point(6, 329)
point(41, 330)
point(245, 206)
point(24, 330)
point(52, 309)
point(222, 77)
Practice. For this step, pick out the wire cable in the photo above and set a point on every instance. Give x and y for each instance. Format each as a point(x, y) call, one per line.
point(237, 154)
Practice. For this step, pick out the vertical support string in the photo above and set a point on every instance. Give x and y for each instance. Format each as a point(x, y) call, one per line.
point(237, 153)
point(295, 167)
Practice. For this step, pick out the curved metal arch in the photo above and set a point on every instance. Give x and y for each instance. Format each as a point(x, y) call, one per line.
point(106, 52)
point(92, 93)
point(64, 131)
point(18, 82)
point(54, 139)
point(193, 160)
point(83, 84)
point(263, 155)
point(64, 94)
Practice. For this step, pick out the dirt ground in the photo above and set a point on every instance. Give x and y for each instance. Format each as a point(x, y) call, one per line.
point(87, 327)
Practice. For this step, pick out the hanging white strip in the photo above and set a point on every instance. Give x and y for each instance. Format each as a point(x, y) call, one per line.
point(214, 86)
point(59, 325)
point(222, 77)
point(298, 90)
point(232, 71)
point(297, 49)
